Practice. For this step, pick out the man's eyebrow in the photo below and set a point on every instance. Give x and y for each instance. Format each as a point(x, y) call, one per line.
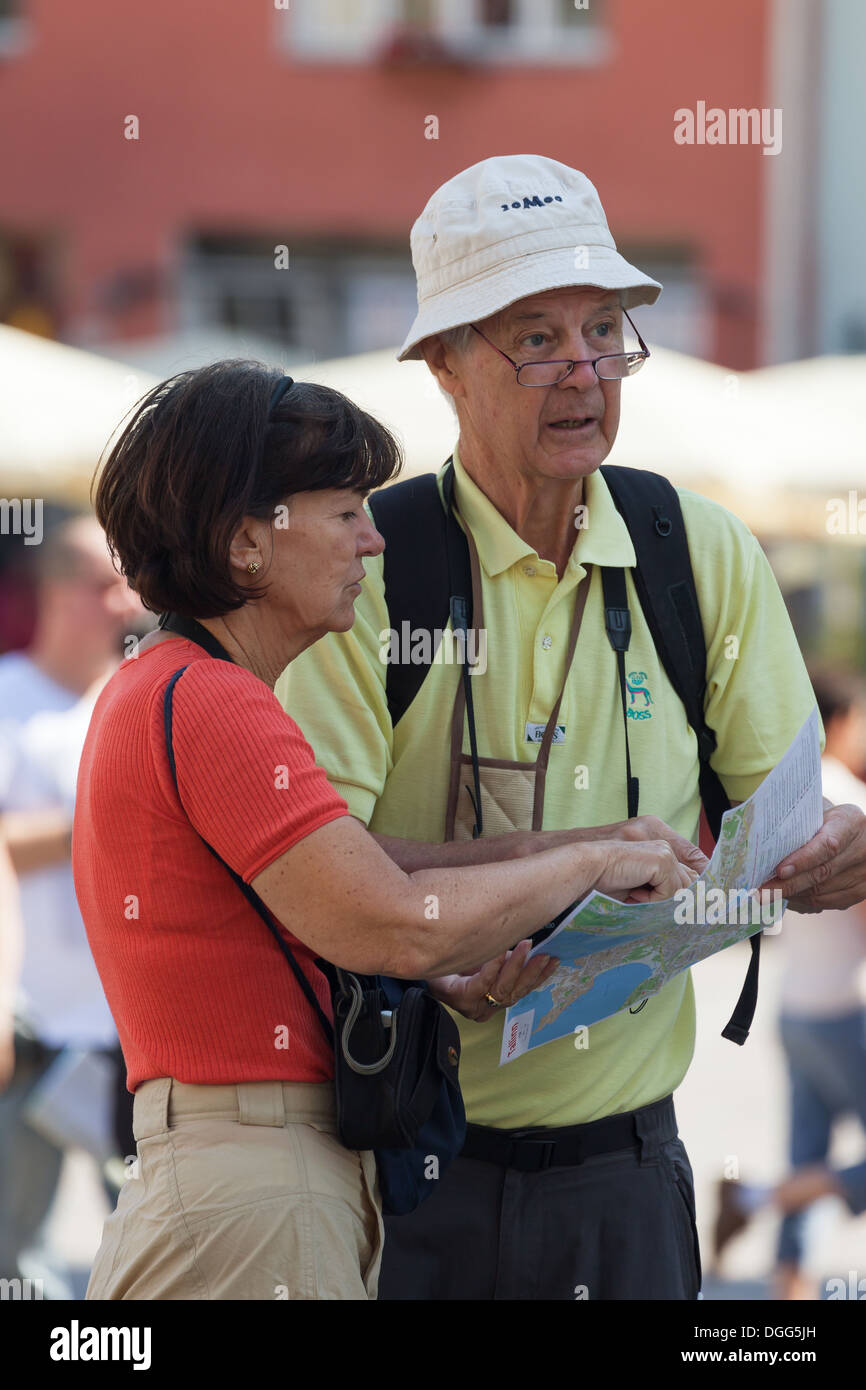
point(531, 315)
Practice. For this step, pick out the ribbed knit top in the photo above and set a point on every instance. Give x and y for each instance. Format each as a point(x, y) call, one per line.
point(199, 989)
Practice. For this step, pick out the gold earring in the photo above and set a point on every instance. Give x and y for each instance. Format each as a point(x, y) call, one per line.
point(253, 567)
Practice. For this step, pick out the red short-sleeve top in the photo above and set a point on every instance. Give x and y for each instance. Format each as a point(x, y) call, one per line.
point(199, 989)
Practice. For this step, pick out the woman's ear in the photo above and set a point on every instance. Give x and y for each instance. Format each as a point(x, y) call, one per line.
point(247, 546)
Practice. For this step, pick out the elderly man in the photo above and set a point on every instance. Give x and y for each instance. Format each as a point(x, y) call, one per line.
point(523, 320)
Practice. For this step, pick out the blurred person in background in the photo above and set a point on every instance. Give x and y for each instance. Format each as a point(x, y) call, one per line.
point(11, 945)
point(84, 609)
point(822, 1023)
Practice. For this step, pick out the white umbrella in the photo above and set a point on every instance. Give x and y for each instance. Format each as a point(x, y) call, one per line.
point(58, 408)
point(805, 424)
point(794, 441)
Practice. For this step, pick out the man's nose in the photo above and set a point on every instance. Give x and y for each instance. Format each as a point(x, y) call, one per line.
point(582, 375)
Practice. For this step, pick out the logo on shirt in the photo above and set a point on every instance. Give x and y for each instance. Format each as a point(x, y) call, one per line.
point(639, 698)
point(534, 733)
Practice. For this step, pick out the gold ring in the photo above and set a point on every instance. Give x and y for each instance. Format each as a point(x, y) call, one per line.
point(496, 1003)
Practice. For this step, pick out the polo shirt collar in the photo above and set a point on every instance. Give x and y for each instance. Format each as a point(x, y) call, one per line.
point(603, 541)
point(499, 546)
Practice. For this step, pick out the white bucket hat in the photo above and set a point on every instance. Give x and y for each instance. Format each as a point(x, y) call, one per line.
point(512, 226)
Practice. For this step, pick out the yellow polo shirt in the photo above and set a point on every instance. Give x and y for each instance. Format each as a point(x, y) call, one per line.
point(396, 781)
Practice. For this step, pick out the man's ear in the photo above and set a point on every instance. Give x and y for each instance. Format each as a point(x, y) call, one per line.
point(443, 362)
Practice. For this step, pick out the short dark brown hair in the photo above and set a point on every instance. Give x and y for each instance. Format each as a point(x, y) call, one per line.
point(201, 452)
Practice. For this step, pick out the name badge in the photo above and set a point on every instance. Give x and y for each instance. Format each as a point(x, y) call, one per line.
point(535, 733)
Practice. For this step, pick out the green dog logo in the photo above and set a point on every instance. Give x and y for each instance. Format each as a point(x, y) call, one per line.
point(635, 686)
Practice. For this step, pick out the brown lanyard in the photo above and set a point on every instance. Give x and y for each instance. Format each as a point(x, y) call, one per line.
point(463, 705)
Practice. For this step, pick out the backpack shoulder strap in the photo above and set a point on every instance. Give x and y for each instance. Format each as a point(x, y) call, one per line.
point(665, 584)
point(426, 561)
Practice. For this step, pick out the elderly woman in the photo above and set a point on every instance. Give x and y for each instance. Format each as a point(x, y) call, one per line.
point(233, 501)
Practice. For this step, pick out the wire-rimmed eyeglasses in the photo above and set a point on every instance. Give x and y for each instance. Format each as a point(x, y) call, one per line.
point(610, 366)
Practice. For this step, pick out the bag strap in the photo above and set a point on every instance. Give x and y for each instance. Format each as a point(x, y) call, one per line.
point(665, 584)
point(249, 893)
point(617, 621)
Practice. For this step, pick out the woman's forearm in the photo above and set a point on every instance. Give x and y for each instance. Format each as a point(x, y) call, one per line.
point(339, 893)
point(484, 909)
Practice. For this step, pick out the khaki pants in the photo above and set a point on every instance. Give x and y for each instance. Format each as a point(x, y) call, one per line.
point(241, 1192)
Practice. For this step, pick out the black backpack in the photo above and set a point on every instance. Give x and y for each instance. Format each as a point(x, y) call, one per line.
point(427, 580)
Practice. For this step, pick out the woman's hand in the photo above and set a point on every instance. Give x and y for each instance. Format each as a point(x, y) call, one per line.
point(648, 871)
point(506, 979)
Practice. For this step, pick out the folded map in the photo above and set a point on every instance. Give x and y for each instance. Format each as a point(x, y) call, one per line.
point(614, 956)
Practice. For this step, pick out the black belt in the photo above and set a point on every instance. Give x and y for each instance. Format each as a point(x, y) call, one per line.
point(531, 1150)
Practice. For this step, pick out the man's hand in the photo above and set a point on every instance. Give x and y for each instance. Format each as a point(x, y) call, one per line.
point(830, 869)
point(507, 979)
point(651, 828)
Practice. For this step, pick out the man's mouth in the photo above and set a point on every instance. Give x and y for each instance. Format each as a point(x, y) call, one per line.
point(577, 422)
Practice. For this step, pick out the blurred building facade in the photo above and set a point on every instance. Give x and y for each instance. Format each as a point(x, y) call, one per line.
point(183, 182)
point(256, 169)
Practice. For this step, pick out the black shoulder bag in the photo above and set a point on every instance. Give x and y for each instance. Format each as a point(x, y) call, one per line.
point(396, 1050)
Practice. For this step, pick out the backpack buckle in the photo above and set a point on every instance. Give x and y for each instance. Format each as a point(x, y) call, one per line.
point(662, 524)
point(618, 624)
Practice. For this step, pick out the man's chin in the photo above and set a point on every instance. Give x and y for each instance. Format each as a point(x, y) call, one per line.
point(573, 463)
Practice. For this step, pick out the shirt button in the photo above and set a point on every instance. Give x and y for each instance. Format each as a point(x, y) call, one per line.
point(547, 641)
point(530, 571)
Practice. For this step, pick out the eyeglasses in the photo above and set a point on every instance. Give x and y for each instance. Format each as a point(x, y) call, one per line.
point(611, 366)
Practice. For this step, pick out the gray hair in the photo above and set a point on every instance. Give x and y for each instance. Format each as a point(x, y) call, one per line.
point(458, 339)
